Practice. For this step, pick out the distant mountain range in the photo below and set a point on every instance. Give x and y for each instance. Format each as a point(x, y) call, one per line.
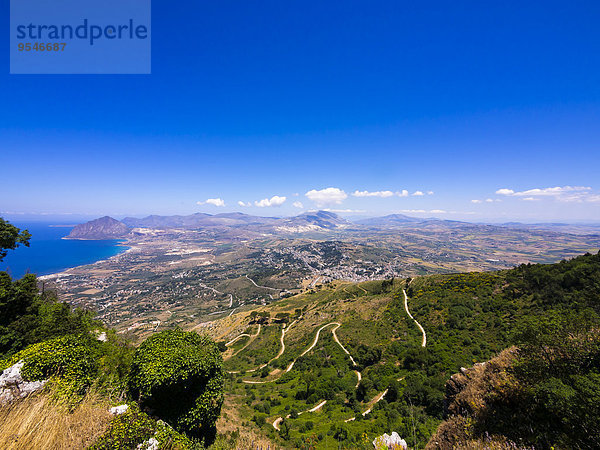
point(109, 228)
point(315, 221)
point(198, 220)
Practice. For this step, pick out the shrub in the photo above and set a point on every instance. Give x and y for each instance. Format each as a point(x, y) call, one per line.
point(179, 376)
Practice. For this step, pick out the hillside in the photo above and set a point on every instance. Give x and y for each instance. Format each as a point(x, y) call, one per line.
point(289, 373)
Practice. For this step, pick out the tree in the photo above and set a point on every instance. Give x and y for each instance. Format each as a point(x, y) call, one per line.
point(284, 430)
point(11, 237)
point(309, 379)
point(27, 317)
point(341, 433)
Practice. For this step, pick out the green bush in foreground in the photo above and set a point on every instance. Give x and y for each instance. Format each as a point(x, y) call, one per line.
point(179, 376)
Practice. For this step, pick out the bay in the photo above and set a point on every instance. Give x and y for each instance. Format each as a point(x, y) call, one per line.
point(48, 253)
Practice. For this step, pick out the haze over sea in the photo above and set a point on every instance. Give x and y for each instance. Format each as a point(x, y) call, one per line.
point(49, 253)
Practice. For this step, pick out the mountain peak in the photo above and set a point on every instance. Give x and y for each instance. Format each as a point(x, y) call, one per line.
point(103, 228)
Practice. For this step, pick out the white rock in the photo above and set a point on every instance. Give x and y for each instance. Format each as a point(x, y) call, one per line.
point(13, 386)
point(117, 410)
point(393, 441)
point(11, 375)
point(102, 337)
point(150, 444)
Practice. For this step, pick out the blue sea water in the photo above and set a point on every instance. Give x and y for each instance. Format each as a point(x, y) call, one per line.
point(49, 253)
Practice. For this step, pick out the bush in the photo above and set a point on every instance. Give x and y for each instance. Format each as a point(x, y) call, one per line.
point(179, 375)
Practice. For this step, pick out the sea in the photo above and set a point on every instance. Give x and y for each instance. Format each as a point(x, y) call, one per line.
point(48, 253)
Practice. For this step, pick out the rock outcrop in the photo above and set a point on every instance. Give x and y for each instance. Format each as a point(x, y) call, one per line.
point(118, 410)
point(466, 400)
point(13, 386)
point(391, 442)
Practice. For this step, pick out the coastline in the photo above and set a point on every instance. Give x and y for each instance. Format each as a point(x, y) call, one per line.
point(52, 276)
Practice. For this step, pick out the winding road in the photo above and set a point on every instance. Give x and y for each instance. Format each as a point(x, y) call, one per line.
point(258, 286)
point(281, 350)
point(277, 421)
point(312, 345)
point(243, 335)
point(424, 342)
point(372, 402)
point(340, 344)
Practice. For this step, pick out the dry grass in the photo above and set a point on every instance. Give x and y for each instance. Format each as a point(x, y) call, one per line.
point(230, 423)
point(247, 440)
point(38, 423)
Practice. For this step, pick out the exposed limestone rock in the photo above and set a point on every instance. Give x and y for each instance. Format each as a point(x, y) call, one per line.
point(393, 441)
point(150, 444)
point(117, 410)
point(13, 386)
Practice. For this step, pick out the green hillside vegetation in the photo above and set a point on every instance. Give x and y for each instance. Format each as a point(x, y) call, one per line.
point(468, 318)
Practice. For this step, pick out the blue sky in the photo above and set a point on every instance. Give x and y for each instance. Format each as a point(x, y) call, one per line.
point(383, 100)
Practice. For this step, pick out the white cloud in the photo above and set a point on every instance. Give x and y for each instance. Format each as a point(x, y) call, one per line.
point(595, 198)
point(413, 211)
point(327, 196)
point(244, 205)
point(276, 200)
point(562, 193)
point(213, 201)
point(489, 200)
point(531, 199)
point(298, 204)
point(475, 201)
point(381, 194)
point(429, 192)
point(402, 193)
point(438, 211)
point(552, 191)
point(418, 193)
